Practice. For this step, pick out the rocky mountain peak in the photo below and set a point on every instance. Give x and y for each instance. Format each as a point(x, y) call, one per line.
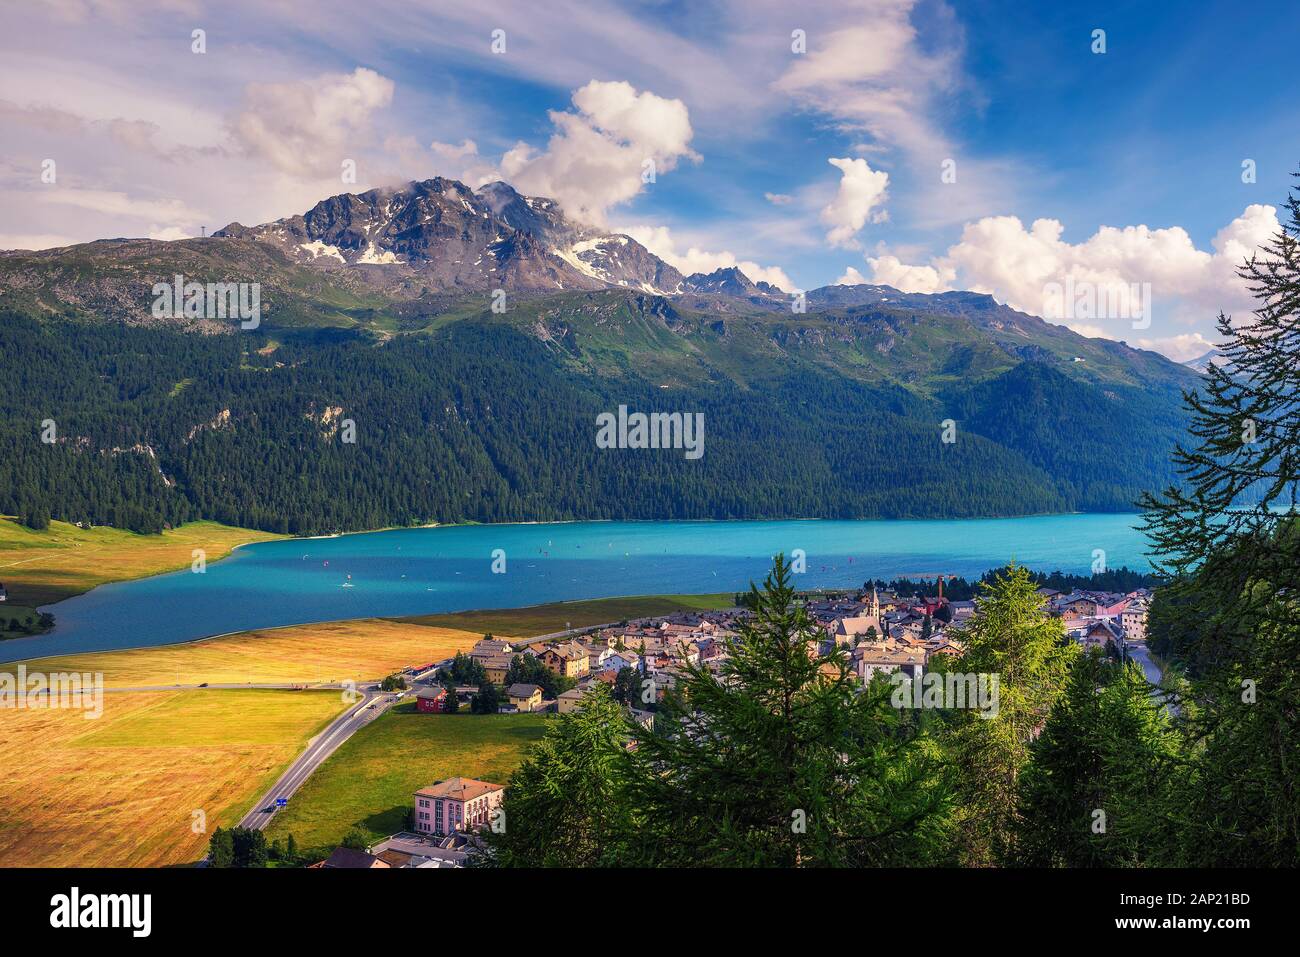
point(459, 239)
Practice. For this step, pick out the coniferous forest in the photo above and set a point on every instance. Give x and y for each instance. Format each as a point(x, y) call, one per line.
point(146, 427)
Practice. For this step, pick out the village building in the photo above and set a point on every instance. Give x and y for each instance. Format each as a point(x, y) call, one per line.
point(409, 850)
point(431, 700)
point(486, 648)
point(1077, 606)
point(525, 697)
point(1133, 622)
point(870, 658)
point(347, 857)
point(1099, 634)
point(456, 804)
point(568, 658)
point(570, 700)
point(496, 668)
point(618, 660)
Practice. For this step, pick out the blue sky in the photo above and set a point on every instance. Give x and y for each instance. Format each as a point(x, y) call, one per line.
point(806, 167)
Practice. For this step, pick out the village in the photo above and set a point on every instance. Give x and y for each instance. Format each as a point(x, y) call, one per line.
point(641, 660)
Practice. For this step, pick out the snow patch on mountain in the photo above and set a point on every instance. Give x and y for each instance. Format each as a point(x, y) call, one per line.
point(317, 249)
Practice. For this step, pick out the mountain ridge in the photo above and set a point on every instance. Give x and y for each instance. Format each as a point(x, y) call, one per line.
point(462, 239)
point(427, 248)
point(379, 308)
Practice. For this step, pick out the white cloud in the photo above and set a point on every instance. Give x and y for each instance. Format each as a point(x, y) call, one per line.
point(34, 240)
point(861, 190)
point(464, 163)
point(78, 10)
point(887, 270)
point(114, 203)
point(779, 199)
point(168, 232)
point(309, 127)
point(1027, 268)
point(449, 152)
point(597, 158)
point(872, 75)
point(890, 271)
point(1189, 345)
point(659, 240)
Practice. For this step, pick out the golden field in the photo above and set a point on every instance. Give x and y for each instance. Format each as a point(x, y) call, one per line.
point(360, 649)
point(121, 790)
point(43, 567)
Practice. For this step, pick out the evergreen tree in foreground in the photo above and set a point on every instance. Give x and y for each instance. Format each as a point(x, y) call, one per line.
point(1012, 637)
point(1095, 770)
point(1062, 784)
point(780, 759)
point(1229, 537)
point(564, 806)
point(1240, 479)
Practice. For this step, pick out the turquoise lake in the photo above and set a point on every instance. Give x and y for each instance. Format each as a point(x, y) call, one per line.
point(427, 570)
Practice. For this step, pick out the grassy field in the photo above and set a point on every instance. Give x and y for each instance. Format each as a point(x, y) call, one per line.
point(368, 783)
point(43, 567)
point(545, 619)
point(122, 790)
point(329, 652)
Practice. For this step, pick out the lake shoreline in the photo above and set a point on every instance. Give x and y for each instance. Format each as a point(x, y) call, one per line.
point(453, 568)
point(53, 606)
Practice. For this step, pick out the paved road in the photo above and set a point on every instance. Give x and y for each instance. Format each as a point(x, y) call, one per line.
point(1138, 652)
point(318, 749)
point(572, 632)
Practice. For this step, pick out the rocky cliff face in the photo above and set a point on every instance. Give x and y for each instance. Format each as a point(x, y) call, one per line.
point(458, 239)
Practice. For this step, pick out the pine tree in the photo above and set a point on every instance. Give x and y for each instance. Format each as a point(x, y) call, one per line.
point(564, 806)
point(488, 699)
point(1247, 423)
point(1062, 784)
point(1229, 537)
point(1140, 758)
point(627, 686)
point(1087, 795)
point(221, 849)
point(250, 848)
point(780, 759)
point(1012, 637)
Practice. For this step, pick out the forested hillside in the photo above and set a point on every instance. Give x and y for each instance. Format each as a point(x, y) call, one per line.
point(476, 423)
point(463, 414)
